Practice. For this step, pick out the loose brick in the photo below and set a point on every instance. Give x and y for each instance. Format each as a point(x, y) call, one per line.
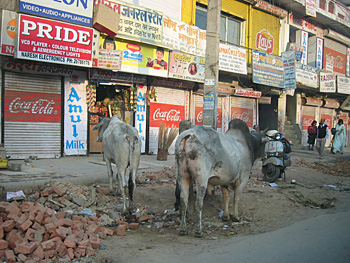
point(14, 217)
point(95, 241)
point(22, 257)
point(78, 252)
point(1, 233)
point(145, 218)
point(69, 243)
point(40, 207)
point(3, 244)
point(37, 226)
point(12, 208)
point(61, 215)
point(121, 230)
point(36, 196)
point(3, 206)
point(67, 222)
point(84, 243)
point(3, 215)
point(90, 251)
point(30, 234)
point(102, 235)
point(8, 225)
point(39, 235)
point(46, 192)
point(64, 259)
point(60, 247)
point(10, 256)
point(23, 227)
point(21, 220)
point(70, 253)
point(92, 229)
point(48, 245)
point(50, 253)
point(27, 248)
point(49, 212)
point(134, 226)
point(50, 227)
point(27, 207)
point(39, 252)
point(58, 190)
point(62, 232)
point(39, 217)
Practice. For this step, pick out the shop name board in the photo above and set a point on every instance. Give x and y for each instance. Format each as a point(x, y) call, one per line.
point(38, 69)
point(331, 104)
point(52, 41)
point(327, 82)
point(8, 32)
point(343, 85)
point(303, 24)
point(271, 8)
point(232, 59)
point(75, 11)
point(186, 67)
point(306, 75)
point(313, 102)
point(116, 76)
point(137, 22)
point(247, 93)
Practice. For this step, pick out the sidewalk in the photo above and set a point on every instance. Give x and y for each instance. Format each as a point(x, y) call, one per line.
point(92, 169)
point(74, 169)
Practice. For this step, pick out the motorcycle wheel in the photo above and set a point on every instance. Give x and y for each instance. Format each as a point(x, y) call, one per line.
point(271, 172)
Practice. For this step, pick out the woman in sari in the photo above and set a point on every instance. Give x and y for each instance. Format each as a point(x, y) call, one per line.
point(339, 137)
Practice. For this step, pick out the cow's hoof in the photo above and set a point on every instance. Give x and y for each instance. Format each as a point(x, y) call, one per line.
point(234, 218)
point(198, 234)
point(225, 218)
point(183, 232)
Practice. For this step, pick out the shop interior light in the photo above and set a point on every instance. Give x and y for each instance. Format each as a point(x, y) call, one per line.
point(106, 83)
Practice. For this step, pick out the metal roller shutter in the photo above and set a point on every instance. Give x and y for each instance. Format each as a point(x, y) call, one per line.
point(243, 109)
point(166, 99)
point(32, 115)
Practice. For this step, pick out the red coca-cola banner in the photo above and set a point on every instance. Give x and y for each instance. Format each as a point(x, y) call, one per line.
point(199, 117)
point(23, 106)
point(307, 120)
point(170, 114)
point(243, 114)
point(327, 120)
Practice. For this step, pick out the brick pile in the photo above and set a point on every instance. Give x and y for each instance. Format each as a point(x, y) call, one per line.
point(32, 232)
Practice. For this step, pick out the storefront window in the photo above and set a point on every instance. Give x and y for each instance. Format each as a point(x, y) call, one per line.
point(323, 4)
point(331, 7)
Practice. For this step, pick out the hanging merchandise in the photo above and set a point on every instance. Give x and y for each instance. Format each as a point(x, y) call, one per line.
point(91, 96)
point(151, 95)
point(133, 98)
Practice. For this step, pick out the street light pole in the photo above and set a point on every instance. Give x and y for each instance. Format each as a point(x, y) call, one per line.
point(210, 98)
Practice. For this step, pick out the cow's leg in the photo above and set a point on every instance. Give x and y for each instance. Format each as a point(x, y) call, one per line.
point(238, 188)
point(110, 175)
point(226, 195)
point(201, 187)
point(122, 185)
point(183, 182)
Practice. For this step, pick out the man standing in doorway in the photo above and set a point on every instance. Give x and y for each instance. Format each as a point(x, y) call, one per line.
point(322, 135)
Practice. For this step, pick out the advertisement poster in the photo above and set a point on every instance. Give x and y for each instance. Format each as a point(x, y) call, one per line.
point(108, 56)
point(306, 75)
point(181, 36)
point(304, 43)
point(327, 82)
point(268, 69)
point(337, 59)
point(140, 117)
point(73, 11)
point(199, 117)
point(143, 59)
point(232, 59)
point(169, 114)
point(140, 23)
point(343, 85)
point(243, 114)
point(348, 62)
point(310, 7)
point(319, 55)
point(187, 67)
point(289, 69)
point(53, 41)
point(75, 114)
point(8, 32)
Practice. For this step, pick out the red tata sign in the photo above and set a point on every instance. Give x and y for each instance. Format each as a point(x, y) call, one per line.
point(169, 114)
point(23, 106)
point(243, 114)
point(199, 117)
point(53, 41)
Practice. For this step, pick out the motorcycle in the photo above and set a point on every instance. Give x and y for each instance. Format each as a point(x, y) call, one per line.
point(276, 158)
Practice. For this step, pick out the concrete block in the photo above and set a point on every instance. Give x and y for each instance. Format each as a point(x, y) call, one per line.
point(14, 166)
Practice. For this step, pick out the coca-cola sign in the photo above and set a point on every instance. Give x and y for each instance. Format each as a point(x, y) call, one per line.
point(169, 114)
point(243, 114)
point(32, 106)
point(199, 117)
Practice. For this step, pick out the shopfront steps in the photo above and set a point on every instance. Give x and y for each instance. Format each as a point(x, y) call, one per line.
point(291, 134)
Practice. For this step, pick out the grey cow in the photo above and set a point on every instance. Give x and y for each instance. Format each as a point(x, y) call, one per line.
point(122, 146)
point(210, 158)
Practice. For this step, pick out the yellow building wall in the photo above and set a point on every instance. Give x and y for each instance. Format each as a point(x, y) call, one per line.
point(265, 27)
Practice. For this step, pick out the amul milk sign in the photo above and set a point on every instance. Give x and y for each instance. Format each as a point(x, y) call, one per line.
point(53, 41)
point(21, 106)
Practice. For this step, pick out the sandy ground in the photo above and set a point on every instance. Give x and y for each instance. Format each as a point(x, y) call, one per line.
point(318, 189)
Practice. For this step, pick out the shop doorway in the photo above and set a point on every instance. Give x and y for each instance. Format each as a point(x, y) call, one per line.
point(268, 115)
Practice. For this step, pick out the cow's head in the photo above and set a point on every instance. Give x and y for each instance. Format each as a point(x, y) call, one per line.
point(101, 127)
point(260, 139)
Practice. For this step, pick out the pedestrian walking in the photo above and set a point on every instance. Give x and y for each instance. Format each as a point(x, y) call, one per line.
point(322, 135)
point(339, 137)
point(312, 133)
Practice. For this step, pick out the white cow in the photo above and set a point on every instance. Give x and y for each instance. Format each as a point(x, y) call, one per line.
point(210, 158)
point(122, 146)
